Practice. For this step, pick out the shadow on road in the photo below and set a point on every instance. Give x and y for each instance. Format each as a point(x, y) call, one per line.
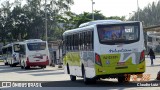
point(17, 69)
point(101, 83)
point(45, 74)
point(153, 65)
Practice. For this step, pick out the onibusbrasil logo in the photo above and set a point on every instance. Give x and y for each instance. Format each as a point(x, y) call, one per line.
point(120, 50)
point(21, 84)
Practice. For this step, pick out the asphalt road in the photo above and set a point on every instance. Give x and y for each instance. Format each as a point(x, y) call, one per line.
point(53, 78)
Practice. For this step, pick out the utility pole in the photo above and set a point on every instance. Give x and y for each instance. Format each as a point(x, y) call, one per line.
point(138, 10)
point(92, 9)
point(134, 15)
point(46, 20)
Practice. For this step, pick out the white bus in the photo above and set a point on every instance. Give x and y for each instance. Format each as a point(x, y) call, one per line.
point(104, 49)
point(33, 52)
point(10, 57)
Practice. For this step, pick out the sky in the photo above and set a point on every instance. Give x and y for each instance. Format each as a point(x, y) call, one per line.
point(110, 7)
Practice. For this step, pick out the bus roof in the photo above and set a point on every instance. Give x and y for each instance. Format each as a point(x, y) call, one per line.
point(33, 40)
point(97, 22)
point(8, 45)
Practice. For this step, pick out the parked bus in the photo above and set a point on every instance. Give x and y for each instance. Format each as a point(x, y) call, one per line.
point(33, 52)
point(104, 49)
point(10, 57)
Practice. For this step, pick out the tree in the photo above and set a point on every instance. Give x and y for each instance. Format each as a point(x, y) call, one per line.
point(5, 21)
point(28, 21)
point(86, 17)
point(149, 15)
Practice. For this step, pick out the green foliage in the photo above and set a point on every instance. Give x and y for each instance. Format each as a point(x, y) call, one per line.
point(19, 22)
point(149, 15)
point(75, 20)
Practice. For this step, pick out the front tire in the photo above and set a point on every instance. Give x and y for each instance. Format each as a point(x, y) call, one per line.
point(73, 78)
point(6, 63)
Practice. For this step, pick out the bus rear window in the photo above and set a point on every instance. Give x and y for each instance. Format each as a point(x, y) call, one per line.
point(121, 33)
point(36, 46)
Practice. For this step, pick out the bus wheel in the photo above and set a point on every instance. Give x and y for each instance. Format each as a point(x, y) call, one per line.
point(25, 67)
point(125, 78)
point(6, 63)
point(68, 71)
point(73, 78)
point(42, 66)
point(85, 79)
point(11, 65)
point(22, 67)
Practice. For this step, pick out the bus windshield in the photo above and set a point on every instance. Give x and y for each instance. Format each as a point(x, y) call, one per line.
point(36, 46)
point(119, 33)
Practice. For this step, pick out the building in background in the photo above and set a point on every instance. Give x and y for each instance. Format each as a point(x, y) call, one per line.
point(55, 48)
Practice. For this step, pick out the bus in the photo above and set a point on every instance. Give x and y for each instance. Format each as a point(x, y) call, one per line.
point(104, 49)
point(9, 56)
point(33, 52)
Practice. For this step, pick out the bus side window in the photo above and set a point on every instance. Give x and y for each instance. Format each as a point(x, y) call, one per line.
point(88, 41)
point(81, 45)
point(22, 49)
point(85, 39)
point(76, 41)
point(92, 43)
point(70, 42)
point(79, 41)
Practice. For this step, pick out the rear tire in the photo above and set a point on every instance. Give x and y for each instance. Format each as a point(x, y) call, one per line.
point(25, 67)
point(11, 65)
point(85, 79)
point(68, 71)
point(44, 66)
point(124, 78)
point(73, 78)
point(21, 65)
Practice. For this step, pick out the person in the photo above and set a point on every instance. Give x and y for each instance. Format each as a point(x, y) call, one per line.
point(152, 55)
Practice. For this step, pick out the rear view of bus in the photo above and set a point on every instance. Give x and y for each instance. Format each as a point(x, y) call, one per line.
point(36, 54)
point(119, 50)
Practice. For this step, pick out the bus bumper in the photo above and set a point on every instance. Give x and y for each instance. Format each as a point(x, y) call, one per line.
point(131, 69)
point(37, 63)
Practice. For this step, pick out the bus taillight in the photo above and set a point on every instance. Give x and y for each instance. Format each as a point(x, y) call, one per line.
point(142, 57)
point(98, 59)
